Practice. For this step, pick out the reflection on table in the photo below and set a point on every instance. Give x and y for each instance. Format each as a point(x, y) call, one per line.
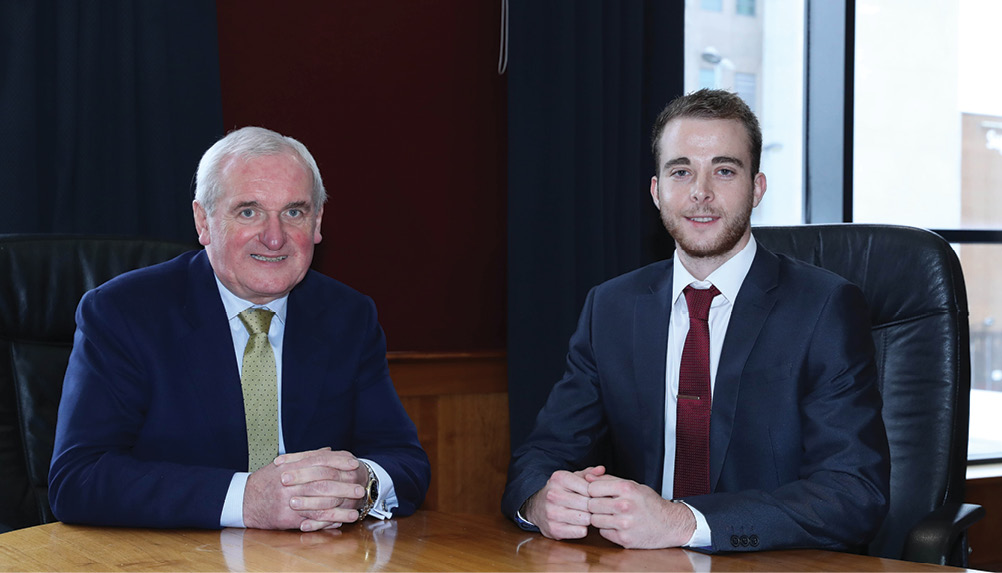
point(426, 541)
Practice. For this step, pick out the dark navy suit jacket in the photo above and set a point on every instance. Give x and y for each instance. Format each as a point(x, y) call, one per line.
point(798, 451)
point(151, 425)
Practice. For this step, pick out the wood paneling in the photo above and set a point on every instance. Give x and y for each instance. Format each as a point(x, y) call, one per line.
point(986, 550)
point(459, 403)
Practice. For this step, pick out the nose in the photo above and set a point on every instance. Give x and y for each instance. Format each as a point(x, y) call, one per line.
point(272, 235)
point(702, 190)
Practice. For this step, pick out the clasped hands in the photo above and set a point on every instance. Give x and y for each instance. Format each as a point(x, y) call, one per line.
point(627, 513)
point(312, 490)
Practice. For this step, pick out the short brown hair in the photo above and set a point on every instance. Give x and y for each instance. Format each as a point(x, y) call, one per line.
point(710, 104)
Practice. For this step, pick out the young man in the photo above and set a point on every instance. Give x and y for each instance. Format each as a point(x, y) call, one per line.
point(753, 423)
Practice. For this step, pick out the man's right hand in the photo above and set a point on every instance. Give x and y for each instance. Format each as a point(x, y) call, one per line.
point(560, 509)
point(323, 500)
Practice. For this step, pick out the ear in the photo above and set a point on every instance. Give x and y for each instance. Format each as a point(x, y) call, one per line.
point(758, 189)
point(654, 192)
point(316, 231)
point(201, 223)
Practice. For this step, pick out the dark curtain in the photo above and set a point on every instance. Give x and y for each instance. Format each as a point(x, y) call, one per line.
point(105, 108)
point(586, 80)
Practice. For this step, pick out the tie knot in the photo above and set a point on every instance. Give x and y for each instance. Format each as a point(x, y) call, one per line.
point(699, 301)
point(257, 320)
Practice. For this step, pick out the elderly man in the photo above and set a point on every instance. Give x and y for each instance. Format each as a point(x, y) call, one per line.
point(234, 386)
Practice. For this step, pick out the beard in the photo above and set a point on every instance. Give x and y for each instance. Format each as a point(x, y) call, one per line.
point(735, 226)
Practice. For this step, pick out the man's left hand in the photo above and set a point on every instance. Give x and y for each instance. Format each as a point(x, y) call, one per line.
point(637, 517)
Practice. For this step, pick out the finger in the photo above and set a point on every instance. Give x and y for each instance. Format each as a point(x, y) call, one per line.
point(612, 535)
point(591, 471)
point(569, 517)
point(607, 521)
point(610, 487)
point(603, 506)
point(315, 502)
point(298, 475)
point(339, 460)
point(313, 525)
point(570, 482)
point(564, 498)
point(296, 456)
point(559, 531)
point(337, 515)
point(310, 494)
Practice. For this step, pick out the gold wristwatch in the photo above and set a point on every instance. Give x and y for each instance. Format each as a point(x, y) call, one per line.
point(371, 492)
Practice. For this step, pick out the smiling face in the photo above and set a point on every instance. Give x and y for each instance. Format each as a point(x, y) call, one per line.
point(261, 234)
point(705, 190)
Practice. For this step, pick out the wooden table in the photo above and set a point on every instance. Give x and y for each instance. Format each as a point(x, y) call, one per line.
point(427, 541)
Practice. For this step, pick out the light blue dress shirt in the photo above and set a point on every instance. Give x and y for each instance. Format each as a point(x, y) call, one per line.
point(232, 514)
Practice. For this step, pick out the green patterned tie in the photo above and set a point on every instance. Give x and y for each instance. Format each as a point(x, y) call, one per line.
point(260, 385)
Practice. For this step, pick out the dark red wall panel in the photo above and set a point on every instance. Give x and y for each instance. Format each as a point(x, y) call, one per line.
point(401, 104)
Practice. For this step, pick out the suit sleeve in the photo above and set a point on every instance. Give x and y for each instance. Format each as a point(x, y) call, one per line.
point(95, 477)
point(840, 495)
point(570, 430)
point(384, 432)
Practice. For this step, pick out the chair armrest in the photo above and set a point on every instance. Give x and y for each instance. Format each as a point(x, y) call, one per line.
point(934, 539)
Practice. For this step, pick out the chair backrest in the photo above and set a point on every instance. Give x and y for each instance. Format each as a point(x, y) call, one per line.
point(918, 309)
point(43, 280)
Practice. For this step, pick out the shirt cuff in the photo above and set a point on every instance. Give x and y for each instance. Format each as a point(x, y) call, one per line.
point(387, 500)
point(233, 505)
point(524, 523)
point(701, 536)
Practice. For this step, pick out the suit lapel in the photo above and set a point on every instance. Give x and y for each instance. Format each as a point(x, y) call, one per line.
point(211, 361)
point(650, 335)
point(301, 368)
point(751, 309)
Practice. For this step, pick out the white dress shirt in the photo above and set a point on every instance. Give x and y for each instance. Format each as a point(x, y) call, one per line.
point(232, 515)
point(728, 279)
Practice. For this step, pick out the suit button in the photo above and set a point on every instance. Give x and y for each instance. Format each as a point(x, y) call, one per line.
point(753, 540)
point(744, 541)
point(735, 541)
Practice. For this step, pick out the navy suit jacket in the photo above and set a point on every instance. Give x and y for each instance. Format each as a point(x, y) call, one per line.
point(151, 425)
point(798, 451)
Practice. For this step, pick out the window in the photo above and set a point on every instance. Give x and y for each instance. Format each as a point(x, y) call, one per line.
point(707, 78)
point(911, 135)
point(712, 5)
point(762, 60)
point(929, 154)
point(744, 84)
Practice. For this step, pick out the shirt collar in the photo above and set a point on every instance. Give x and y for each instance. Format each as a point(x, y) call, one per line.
point(728, 277)
point(234, 305)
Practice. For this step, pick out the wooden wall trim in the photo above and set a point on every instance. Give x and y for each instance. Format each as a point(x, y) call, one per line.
point(443, 373)
point(459, 404)
point(986, 552)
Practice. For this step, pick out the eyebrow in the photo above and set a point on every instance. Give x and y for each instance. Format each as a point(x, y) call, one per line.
point(726, 159)
point(304, 205)
point(676, 161)
point(715, 161)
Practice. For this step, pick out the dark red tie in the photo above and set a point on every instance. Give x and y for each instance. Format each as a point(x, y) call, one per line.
point(692, 424)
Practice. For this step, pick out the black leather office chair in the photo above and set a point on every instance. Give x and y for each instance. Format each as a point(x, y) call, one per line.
point(43, 278)
point(918, 308)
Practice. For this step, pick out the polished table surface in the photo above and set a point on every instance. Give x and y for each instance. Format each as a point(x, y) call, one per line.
point(426, 541)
